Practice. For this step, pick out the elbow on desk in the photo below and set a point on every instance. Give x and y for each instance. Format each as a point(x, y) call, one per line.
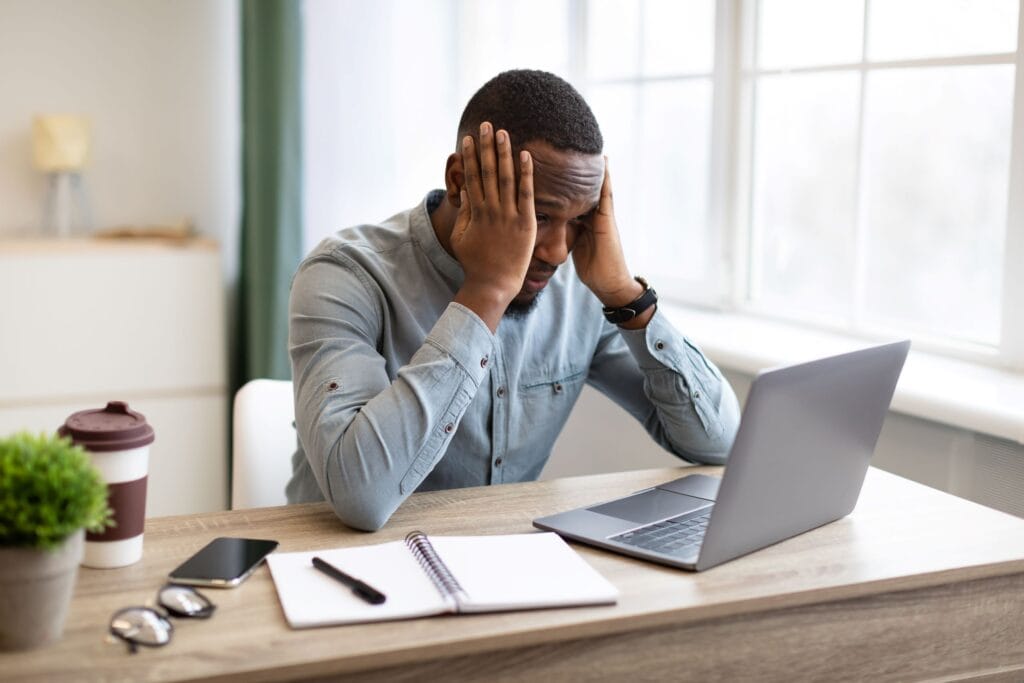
point(361, 519)
point(715, 449)
point(361, 510)
point(717, 452)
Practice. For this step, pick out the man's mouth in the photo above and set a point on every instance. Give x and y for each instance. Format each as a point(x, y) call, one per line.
point(536, 281)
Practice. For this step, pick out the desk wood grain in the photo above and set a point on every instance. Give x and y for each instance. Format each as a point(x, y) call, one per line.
point(914, 585)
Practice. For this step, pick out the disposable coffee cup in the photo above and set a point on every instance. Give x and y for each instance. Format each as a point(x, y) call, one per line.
point(117, 440)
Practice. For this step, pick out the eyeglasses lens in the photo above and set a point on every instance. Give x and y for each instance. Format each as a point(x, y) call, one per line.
point(141, 625)
point(147, 626)
point(182, 601)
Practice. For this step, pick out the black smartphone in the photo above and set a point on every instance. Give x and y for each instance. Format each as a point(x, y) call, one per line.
point(223, 562)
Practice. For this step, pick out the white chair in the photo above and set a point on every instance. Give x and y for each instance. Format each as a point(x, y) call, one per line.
point(264, 440)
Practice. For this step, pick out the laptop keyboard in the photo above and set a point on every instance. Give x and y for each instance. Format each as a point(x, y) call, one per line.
point(677, 536)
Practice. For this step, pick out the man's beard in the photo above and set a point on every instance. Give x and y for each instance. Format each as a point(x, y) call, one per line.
point(518, 311)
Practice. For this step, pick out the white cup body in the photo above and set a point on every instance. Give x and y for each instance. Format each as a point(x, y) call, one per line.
point(126, 474)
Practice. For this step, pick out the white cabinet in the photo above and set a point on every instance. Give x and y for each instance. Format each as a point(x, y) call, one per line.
point(83, 322)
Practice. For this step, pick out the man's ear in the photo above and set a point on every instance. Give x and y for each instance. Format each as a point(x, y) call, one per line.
point(454, 179)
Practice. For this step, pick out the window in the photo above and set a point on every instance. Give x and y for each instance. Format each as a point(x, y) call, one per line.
point(844, 164)
point(648, 73)
point(879, 167)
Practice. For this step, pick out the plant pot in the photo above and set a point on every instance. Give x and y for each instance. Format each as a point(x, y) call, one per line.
point(35, 592)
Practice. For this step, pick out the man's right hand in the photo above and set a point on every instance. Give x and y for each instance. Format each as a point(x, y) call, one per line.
point(496, 228)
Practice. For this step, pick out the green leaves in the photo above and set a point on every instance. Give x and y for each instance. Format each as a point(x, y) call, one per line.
point(48, 490)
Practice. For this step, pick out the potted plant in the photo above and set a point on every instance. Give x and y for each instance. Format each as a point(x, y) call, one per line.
point(49, 494)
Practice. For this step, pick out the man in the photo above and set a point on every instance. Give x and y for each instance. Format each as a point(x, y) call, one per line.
point(447, 346)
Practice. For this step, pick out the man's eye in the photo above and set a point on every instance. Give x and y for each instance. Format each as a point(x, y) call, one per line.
point(541, 218)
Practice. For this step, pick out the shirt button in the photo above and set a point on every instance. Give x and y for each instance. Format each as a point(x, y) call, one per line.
point(696, 394)
point(501, 392)
point(558, 387)
point(483, 362)
point(449, 428)
point(660, 345)
point(497, 463)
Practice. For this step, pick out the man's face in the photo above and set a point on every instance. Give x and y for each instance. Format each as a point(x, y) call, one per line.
point(566, 188)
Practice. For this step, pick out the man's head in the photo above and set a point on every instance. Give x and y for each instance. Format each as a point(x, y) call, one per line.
point(531, 106)
point(545, 115)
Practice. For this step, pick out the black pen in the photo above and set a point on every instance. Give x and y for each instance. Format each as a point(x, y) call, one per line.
point(363, 590)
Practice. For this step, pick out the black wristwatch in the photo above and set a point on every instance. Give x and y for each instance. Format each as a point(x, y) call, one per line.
point(633, 308)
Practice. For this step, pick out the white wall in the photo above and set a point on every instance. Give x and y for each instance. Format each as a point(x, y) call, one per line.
point(381, 108)
point(159, 80)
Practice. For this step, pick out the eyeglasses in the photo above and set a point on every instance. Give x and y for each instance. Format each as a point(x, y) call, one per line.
point(152, 627)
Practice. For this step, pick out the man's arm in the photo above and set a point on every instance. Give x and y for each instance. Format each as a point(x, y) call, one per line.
point(646, 366)
point(370, 441)
point(663, 380)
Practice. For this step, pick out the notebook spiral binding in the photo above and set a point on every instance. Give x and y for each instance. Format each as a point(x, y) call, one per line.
point(432, 564)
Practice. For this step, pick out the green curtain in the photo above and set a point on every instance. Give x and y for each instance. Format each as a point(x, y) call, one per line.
point(271, 235)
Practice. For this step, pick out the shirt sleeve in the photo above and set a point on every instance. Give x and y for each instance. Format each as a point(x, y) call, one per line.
point(663, 380)
point(371, 440)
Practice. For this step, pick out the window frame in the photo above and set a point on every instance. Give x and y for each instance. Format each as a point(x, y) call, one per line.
point(1009, 350)
point(731, 238)
point(707, 291)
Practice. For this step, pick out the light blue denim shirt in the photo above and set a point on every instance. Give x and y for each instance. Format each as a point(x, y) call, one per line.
point(399, 389)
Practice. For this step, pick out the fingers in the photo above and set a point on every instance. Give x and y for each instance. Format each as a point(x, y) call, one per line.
point(605, 204)
point(490, 174)
point(525, 200)
point(506, 172)
point(488, 164)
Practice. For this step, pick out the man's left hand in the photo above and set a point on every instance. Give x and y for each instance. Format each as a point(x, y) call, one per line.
point(598, 256)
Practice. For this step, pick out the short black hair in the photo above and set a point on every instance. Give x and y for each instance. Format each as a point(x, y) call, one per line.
point(534, 106)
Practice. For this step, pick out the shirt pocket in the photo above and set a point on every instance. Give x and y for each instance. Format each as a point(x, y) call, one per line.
point(546, 399)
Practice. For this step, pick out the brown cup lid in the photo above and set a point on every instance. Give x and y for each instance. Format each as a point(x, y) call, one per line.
point(114, 428)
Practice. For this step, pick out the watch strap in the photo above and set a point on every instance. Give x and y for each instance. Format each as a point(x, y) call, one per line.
point(634, 308)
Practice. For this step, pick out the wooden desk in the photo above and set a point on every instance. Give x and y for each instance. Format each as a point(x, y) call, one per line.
point(916, 584)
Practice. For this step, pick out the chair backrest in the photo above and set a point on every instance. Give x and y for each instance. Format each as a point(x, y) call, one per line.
point(264, 440)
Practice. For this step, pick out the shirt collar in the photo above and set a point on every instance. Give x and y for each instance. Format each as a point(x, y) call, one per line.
point(423, 233)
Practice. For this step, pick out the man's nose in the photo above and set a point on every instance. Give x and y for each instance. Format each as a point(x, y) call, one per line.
point(554, 242)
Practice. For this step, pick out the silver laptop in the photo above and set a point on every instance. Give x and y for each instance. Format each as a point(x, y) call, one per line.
point(799, 460)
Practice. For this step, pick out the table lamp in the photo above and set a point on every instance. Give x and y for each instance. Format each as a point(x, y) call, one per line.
point(60, 146)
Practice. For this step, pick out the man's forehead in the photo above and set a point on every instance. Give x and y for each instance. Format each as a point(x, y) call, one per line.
point(565, 175)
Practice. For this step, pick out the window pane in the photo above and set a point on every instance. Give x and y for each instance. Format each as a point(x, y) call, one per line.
point(616, 108)
point(805, 155)
point(679, 37)
point(657, 141)
point(675, 139)
point(936, 171)
point(809, 32)
point(534, 36)
point(904, 29)
point(613, 29)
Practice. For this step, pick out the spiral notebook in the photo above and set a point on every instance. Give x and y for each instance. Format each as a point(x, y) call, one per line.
point(424, 576)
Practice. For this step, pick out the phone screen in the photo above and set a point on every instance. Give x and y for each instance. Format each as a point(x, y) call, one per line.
point(223, 562)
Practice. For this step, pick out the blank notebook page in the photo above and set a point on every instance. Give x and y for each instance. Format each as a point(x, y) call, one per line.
point(520, 571)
